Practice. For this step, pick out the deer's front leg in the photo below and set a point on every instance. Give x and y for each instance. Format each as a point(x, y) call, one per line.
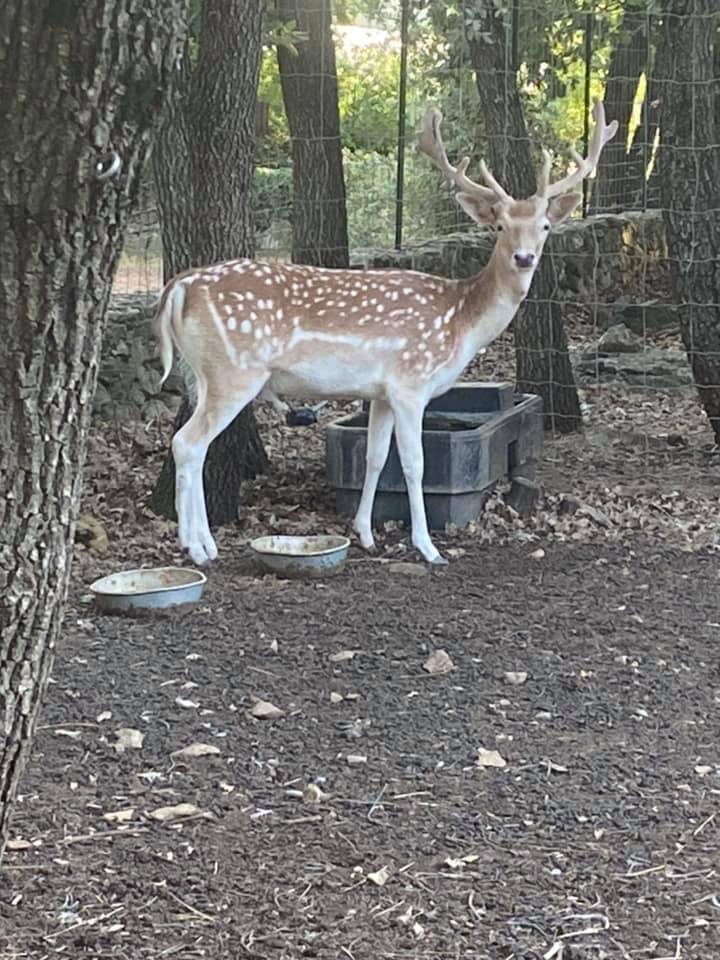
point(379, 434)
point(408, 433)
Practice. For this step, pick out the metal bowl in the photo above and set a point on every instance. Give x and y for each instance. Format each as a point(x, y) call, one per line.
point(295, 557)
point(155, 587)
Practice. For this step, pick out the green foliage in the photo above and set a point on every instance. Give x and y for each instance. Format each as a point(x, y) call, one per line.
point(368, 82)
point(272, 196)
point(552, 76)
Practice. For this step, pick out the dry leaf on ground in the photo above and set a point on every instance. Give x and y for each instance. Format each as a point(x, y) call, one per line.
point(197, 750)
point(128, 739)
point(379, 877)
point(264, 710)
point(177, 812)
point(119, 816)
point(490, 758)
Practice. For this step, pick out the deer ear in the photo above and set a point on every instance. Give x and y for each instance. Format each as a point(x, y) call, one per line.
point(560, 208)
point(481, 211)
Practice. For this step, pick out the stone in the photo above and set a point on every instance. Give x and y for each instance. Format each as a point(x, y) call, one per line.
point(618, 339)
point(654, 367)
point(642, 318)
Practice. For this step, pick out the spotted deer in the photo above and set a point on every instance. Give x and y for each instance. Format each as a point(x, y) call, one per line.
point(396, 338)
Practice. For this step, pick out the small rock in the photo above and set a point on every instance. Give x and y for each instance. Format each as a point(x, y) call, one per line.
point(618, 339)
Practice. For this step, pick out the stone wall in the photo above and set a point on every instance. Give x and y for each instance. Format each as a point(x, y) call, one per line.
point(615, 259)
point(597, 260)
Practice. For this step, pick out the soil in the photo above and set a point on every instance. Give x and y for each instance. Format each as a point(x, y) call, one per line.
point(553, 795)
point(599, 832)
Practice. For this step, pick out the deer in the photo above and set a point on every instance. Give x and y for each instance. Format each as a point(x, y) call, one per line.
point(396, 338)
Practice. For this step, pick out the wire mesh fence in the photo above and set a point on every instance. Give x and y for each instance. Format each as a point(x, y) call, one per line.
point(640, 410)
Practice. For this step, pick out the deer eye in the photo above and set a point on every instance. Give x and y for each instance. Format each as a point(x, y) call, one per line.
point(546, 226)
point(498, 227)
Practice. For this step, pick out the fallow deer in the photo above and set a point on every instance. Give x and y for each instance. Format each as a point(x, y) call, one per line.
point(396, 338)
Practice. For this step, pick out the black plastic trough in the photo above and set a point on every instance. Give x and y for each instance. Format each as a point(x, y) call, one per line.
point(473, 436)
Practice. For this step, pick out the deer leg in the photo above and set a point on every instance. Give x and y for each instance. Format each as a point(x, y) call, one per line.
point(379, 434)
point(213, 412)
point(408, 433)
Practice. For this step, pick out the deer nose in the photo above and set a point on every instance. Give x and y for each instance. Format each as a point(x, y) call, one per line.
point(525, 260)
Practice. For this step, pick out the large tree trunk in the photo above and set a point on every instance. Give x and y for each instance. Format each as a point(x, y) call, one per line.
point(621, 172)
point(101, 84)
point(203, 178)
point(690, 183)
point(310, 94)
point(542, 359)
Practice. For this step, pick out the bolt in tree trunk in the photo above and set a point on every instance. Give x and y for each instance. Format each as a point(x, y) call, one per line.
point(542, 359)
point(690, 181)
point(310, 93)
point(203, 176)
point(104, 72)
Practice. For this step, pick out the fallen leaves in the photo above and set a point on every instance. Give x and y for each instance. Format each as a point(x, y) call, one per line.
point(120, 816)
point(379, 877)
point(312, 794)
point(342, 656)
point(264, 710)
point(128, 739)
point(516, 677)
point(186, 704)
point(19, 844)
point(197, 750)
point(180, 811)
point(490, 758)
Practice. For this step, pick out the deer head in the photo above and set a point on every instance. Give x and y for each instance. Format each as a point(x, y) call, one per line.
point(522, 226)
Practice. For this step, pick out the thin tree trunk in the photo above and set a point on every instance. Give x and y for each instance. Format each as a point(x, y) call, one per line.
point(203, 177)
point(619, 182)
point(104, 72)
point(310, 94)
point(542, 359)
point(690, 181)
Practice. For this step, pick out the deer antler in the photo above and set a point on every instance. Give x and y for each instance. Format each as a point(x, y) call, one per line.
point(602, 134)
point(430, 143)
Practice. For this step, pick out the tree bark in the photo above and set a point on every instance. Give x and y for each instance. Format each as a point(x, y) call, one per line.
point(104, 73)
point(542, 359)
point(619, 182)
point(310, 94)
point(690, 182)
point(203, 178)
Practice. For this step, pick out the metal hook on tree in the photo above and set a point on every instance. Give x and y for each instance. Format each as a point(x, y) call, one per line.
point(109, 166)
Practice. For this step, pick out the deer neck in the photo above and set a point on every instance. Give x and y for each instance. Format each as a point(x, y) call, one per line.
point(491, 300)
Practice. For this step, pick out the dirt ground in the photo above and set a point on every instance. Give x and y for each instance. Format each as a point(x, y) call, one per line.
point(553, 795)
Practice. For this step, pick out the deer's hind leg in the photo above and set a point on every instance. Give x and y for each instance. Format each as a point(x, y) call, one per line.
point(216, 407)
point(379, 435)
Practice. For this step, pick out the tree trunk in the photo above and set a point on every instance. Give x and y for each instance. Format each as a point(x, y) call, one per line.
point(619, 182)
point(310, 94)
point(104, 72)
point(542, 359)
point(690, 183)
point(203, 178)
